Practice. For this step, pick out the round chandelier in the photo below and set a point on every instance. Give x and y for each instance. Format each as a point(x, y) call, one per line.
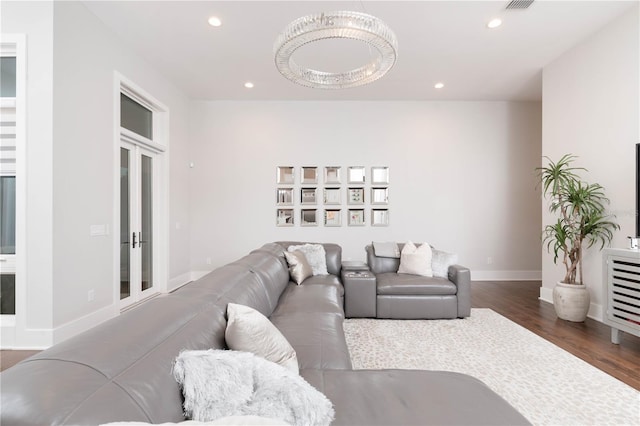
point(336, 25)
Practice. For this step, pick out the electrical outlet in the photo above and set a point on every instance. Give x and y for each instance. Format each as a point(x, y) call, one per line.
point(489, 260)
point(208, 261)
point(91, 295)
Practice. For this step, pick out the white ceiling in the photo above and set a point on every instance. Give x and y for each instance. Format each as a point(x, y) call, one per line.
point(437, 41)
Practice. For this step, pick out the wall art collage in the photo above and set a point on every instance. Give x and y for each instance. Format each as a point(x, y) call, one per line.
point(316, 196)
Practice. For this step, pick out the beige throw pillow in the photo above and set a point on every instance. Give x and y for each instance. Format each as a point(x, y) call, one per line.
point(250, 331)
point(299, 268)
point(416, 260)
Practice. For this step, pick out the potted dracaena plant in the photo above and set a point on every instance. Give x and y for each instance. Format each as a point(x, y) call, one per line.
point(581, 222)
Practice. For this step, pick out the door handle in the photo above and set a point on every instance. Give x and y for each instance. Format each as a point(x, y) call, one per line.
point(134, 240)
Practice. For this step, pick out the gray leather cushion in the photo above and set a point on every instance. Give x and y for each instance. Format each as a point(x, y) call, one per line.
point(124, 361)
point(326, 280)
point(379, 265)
point(318, 339)
point(234, 282)
point(417, 307)
point(271, 269)
point(411, 397)
point(406, 284)
point(309, 298)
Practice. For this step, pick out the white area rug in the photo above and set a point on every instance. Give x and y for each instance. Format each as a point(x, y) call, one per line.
point(548, 385)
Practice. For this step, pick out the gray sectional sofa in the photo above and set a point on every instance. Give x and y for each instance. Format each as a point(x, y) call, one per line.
point(121, 370)
point(405, 296)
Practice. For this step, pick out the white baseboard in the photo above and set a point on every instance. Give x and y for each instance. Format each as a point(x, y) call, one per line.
point(84, 323)
point(179, 281)
point(506, 275)
point(195, 275)
point(30, 339)
point(596, 311)
point(546, 294)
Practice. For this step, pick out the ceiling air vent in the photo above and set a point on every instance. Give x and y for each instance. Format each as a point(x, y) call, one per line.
point(519, 4)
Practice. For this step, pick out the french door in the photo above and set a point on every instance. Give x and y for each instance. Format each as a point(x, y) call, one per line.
point(137, 228)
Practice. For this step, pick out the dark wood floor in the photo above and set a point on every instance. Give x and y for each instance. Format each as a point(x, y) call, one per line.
point(519, 302)
point(590, 340)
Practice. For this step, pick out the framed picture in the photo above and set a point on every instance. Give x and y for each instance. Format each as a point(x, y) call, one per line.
point(308, 196)
point(379, 217)
point(332, 175)
point(356, 217)
point(309, 175)
point(379, 195)
point(284, 217)
point(284, 196)
point(355, 174)
point(332, 195)
point(285, 175)
point(379, 175)
point(333, 217)
point(308, 217)
point(355, 195)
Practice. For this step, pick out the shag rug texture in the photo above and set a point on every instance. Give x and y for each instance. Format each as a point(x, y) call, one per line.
point(222, 383)
point(547, 384)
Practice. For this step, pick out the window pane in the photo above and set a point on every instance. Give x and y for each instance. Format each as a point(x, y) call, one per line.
point(7, 294)
point(125, 260)
point(146, 239)
point(7, 215)
point(135, 117)
point(8, 77)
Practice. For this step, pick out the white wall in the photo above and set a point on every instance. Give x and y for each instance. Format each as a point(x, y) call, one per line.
point(84, 164)
point(590, 109)
point(34, 306)
point(462, 176)
point(72, 61)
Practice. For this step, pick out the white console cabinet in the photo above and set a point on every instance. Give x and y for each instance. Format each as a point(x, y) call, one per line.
point(621, 269)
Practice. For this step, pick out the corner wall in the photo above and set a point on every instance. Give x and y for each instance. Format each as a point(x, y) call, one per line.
point(84, 165)
point(462, 176)
point(34, 304)
point(591, 109)
point(71, 63)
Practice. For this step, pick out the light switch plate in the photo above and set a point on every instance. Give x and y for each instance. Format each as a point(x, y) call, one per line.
point(98, 230)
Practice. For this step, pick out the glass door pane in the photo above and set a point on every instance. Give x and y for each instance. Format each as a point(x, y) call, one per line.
point(7, 294)
point(125, 230)
point(7, 215)
point(146, 238)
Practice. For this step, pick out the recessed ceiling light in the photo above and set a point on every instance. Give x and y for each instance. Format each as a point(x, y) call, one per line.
point(214, 21)
point(438, 85)
point(248, 85)
point(494, 23)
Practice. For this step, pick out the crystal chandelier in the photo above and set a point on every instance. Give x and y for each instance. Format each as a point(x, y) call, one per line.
point(336, 25)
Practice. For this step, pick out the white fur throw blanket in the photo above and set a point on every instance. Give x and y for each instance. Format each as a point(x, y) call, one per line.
point(219, 383)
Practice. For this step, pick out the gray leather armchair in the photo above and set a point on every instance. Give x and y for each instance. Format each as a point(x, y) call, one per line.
point(406, 296)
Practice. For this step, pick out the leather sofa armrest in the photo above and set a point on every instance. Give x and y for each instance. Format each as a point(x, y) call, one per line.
point(461, 277)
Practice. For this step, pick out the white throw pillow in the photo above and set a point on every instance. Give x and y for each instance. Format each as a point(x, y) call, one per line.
point(219, 383)
point(299, 268)
point(440, 262)
point(316, 256)
point(416, 260)
point(250, 331)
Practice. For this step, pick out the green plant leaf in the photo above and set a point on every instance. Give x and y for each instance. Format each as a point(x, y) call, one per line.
point(581, 222)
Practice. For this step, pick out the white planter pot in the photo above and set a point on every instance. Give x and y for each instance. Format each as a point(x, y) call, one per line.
point(571, 301)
